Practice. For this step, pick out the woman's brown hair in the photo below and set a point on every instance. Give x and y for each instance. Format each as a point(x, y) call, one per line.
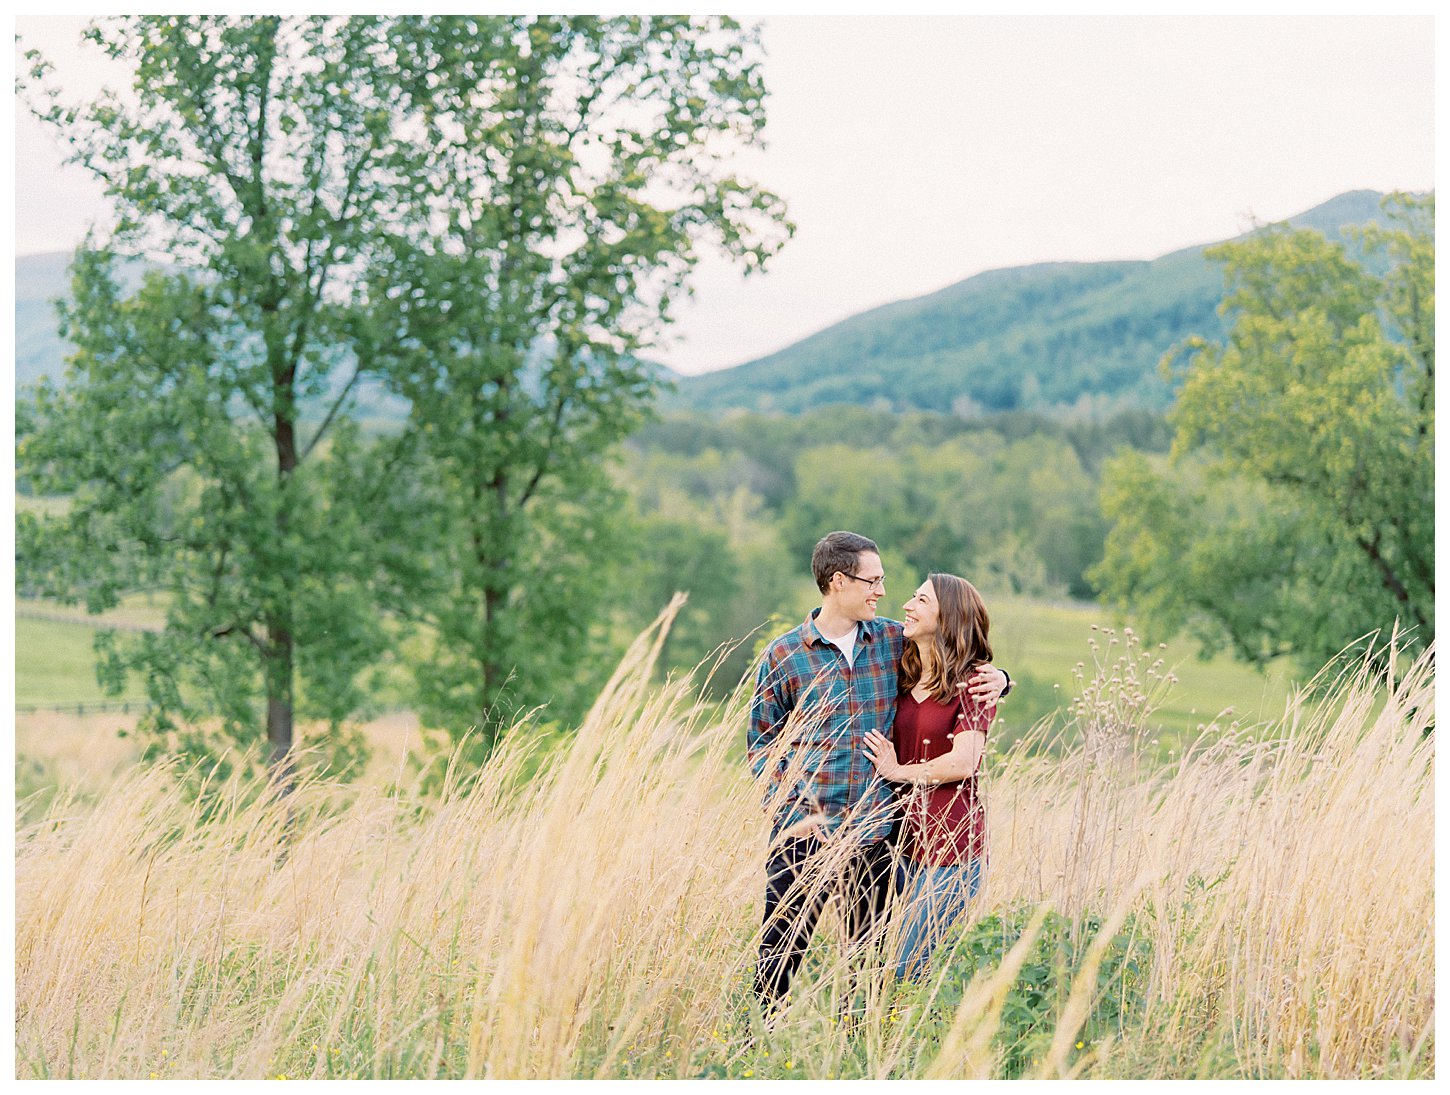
point(960, 643)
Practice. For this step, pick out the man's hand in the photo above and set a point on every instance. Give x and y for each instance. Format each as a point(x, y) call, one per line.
point(882, 754)
point(985, 684)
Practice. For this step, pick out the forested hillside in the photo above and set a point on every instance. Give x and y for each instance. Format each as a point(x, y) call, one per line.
point(1051, 336)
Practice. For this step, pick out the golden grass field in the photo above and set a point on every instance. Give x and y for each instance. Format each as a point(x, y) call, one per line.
point(1259, 906)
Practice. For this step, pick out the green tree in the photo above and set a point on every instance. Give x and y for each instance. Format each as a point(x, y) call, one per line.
point(1012, 516)
point(700, 528)
point(577, 167)
point(1299, 516)
point(681, 556)
point(202, 429)
point(472, 212)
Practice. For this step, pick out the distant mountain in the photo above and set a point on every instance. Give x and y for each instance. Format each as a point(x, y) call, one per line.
point(40, 281)
point(40, 352)
point(1048, 336)
point(39, 349)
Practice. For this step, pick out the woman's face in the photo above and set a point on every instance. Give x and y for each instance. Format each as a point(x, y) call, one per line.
point(921, 612)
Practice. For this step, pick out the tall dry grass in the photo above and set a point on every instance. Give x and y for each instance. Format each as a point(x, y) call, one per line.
point(598, 918)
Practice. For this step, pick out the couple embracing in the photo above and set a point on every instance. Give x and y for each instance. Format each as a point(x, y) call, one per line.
point(868, 736)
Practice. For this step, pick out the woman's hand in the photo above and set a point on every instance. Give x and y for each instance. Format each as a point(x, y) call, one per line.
point(883, 755)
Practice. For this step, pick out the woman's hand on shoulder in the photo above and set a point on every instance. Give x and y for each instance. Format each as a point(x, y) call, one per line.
point(882, 754)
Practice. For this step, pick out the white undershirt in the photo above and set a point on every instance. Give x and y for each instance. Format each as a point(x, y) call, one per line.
point(846, 644)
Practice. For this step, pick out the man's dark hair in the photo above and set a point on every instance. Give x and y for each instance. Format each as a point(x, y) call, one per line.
point(838, 551)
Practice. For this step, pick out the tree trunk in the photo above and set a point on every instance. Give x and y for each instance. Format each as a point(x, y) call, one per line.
point(491, 559)
point(279, 699)
point(493, 669)
point(280, 643)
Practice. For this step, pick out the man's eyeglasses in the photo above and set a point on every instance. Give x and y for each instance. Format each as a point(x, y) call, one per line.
point(874, 583)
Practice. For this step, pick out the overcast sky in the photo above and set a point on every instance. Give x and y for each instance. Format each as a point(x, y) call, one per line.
point(917, 151)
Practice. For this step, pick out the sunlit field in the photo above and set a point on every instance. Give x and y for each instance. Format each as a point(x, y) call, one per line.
point(1260, 906)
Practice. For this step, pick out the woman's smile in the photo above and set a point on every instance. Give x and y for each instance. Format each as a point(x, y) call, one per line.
point(920, 612)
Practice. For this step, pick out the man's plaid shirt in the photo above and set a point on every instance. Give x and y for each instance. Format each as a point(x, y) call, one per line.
point(808, 725)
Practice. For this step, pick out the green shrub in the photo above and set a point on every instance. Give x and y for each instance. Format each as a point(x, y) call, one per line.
point(1035, 1001)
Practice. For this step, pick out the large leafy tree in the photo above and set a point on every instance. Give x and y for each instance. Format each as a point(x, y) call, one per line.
point(1298, 517)
point(201, 429)
point(329, 201)
point(575, 166)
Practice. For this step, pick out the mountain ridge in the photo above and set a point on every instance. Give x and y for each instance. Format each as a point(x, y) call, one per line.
point(1055, 335)
point(1050, 336)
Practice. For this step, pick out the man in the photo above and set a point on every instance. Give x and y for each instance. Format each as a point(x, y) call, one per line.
point(820, 688)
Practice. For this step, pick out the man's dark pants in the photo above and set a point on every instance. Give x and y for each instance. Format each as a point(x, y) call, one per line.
point(796, 892)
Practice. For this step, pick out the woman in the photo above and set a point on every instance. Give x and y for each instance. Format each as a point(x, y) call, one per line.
point(940, 734)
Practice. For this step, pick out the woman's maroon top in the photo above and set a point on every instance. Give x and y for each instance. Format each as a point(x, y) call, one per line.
point(943, 825)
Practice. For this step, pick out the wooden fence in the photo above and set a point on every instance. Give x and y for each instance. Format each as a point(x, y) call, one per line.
point(86, 707)
point(53, 617)
point(82, 707)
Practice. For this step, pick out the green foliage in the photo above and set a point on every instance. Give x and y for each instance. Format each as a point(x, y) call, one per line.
point(1035, 1000)
point(1009, 503)
point(456, 209)
point(555, 232)
point(686, 557)
point(1198, 556)
point(701, 527)
point(1299, 514)
point(257, 158)
point(557, 240)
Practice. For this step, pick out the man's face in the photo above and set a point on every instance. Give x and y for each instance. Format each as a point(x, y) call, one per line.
point(858, 593)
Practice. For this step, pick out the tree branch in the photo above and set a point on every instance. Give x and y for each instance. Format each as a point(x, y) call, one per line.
point(556, 425)
point(332, 412)
point(1371, 547)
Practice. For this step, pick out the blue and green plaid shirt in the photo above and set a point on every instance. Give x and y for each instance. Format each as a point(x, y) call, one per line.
point(808, 724)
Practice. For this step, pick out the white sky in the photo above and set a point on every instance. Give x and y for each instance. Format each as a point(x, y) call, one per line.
point(917, 151)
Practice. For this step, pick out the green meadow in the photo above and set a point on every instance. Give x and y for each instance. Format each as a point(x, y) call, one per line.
point(1042, 643)
point(1039, 642)
point(55, 661)
point(55, 665)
